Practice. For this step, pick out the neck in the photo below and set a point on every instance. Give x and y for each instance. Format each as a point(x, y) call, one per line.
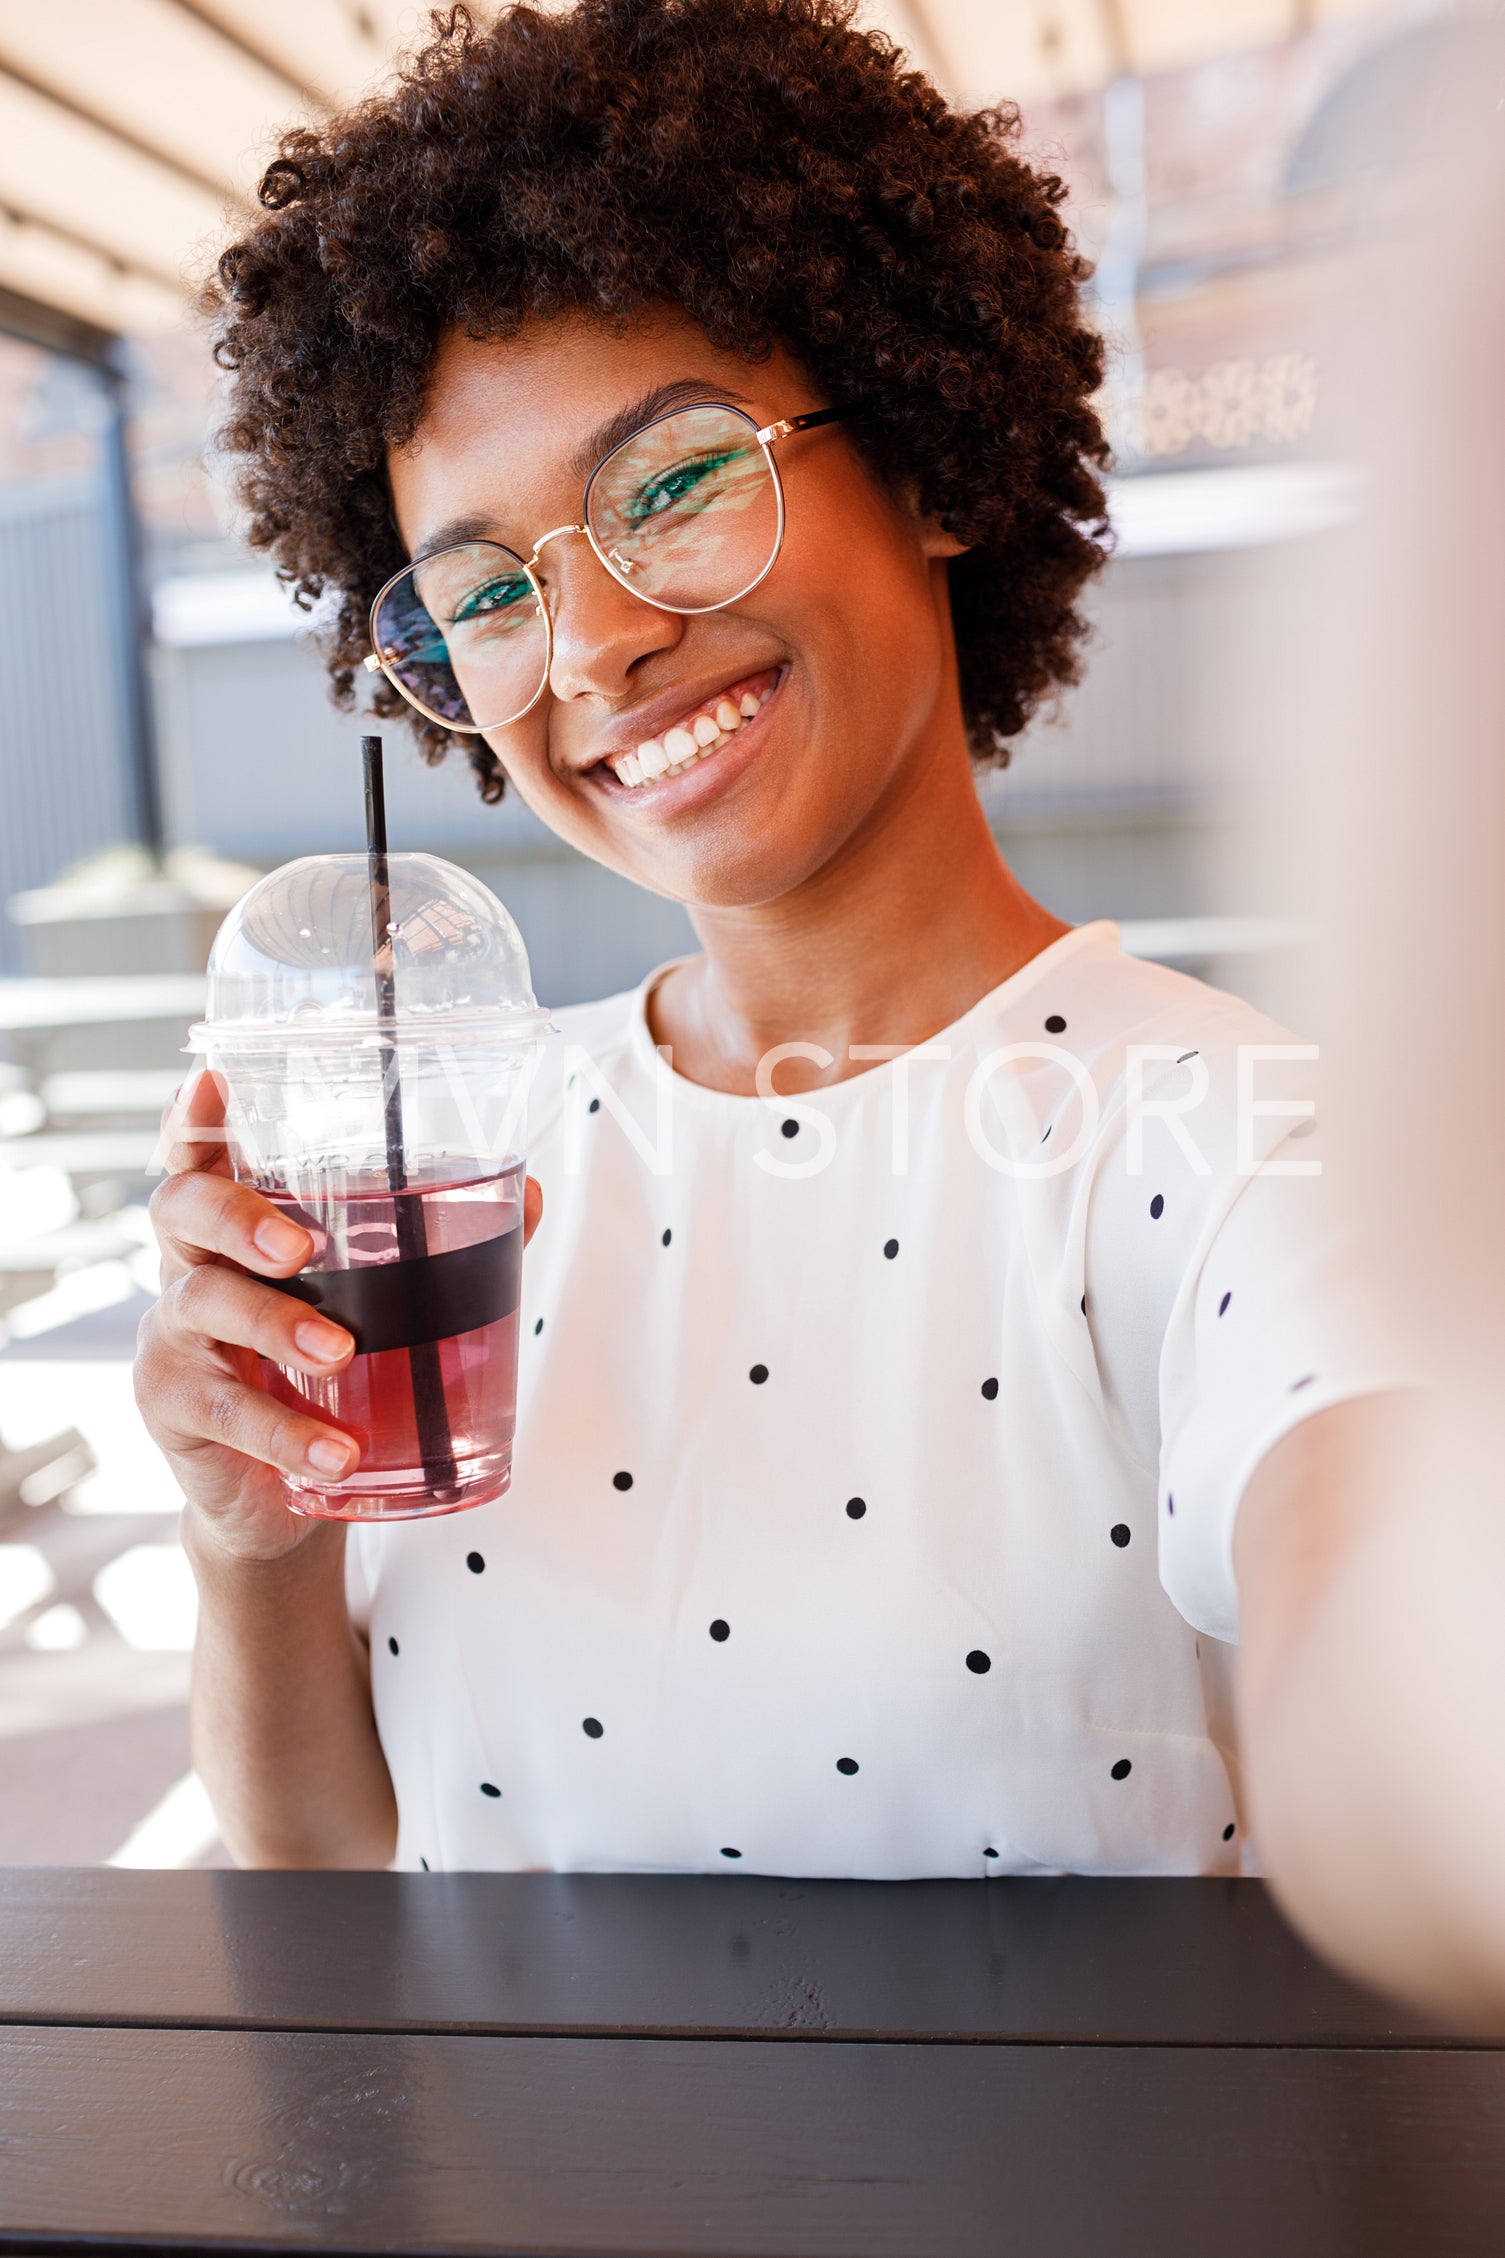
point(899, 934)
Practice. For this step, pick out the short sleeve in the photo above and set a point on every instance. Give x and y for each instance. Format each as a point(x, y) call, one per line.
point(1280, 1319)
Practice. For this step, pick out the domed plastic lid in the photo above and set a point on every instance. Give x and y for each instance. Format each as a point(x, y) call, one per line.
point(295, 956)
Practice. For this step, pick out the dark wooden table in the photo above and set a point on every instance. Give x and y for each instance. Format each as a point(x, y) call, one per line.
point(664, 2066)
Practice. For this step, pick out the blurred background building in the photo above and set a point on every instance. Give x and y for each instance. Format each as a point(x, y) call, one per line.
point(164, 730)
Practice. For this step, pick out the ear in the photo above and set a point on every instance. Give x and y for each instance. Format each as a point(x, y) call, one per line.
point(936, 542)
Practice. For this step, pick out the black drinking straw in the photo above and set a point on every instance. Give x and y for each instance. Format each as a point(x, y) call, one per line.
point(435, 1443)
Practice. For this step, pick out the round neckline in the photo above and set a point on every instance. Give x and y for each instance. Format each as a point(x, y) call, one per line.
point(645, 1053)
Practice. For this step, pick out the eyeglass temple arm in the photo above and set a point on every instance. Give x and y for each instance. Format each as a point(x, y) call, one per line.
point(788, 424)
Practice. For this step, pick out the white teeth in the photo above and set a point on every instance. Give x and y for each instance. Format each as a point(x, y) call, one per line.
point(679, 748)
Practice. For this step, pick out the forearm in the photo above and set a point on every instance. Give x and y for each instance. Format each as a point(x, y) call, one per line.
point(1371, 1761)
point(280, 1708)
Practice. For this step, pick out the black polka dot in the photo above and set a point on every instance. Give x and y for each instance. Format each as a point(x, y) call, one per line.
point(990, 1852)
point(720, 1630)
point(990, 1389)
point(592, 1728)
point(475, 1562)
point(538, 1328)
point(594, 1106)
point(890, 1248)
point(758, 1375)
point(1122, 1769)
point(979, 1662)
point(1228, 1832)
point(622, 1481)
point(1055, 1025)
point(391, 1646)
point(856, 1507)
point(726, 1853)
point(1084, 1305)
point(790, 1129)
point(1298, 1385)
point(488, 1789)
point(1185, 1055)
point(1223, 1304)
point(847, 1764)
point(664, 1241)
point(1170, 1506)
point(423, 1862)
point(1120, 1534)
point(1048, 1128)
point(1157, 1206)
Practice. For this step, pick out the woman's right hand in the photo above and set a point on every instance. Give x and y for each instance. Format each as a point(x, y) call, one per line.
point(197, 1380)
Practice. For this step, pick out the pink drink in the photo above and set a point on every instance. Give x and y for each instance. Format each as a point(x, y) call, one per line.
point(434, 1418)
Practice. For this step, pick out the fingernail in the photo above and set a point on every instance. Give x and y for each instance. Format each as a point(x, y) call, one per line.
point(279, 1241)
point(325, 1343)
point(329, 1457)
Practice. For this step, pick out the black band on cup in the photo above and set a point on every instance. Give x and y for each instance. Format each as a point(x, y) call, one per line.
point(396, 1305)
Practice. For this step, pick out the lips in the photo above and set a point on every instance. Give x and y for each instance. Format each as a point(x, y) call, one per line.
point(696, 735)
point(696, 738)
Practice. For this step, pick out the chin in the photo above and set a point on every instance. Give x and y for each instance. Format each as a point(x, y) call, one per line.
point(744, 862)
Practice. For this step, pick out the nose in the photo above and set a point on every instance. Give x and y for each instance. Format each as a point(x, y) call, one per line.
point(602, 633)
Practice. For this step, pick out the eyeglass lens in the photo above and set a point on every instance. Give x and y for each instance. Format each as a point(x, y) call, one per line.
point(685, 513)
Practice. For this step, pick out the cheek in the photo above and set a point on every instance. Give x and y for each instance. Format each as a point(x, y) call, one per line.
point(866, 609)
point(859, 565)
point(524, 756)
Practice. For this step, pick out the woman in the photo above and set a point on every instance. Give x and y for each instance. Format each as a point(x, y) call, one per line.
point(708, 414)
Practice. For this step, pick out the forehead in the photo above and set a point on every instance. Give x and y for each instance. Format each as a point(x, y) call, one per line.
point(509, 420)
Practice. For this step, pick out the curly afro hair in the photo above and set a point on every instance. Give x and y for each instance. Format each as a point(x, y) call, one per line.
point(763, 164)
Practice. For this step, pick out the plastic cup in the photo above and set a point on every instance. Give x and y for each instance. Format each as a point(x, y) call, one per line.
point(392, 1126)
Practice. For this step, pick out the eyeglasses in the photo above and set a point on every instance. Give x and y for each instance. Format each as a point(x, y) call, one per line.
point(688, 514)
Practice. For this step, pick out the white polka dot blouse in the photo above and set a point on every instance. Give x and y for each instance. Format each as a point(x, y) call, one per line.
point(878, 1453)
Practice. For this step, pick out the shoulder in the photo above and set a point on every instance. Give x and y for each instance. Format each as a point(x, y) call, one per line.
point(1100, 1004)
point(1108, 1048)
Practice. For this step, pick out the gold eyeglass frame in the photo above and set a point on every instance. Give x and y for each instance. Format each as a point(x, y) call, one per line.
point(767, 437)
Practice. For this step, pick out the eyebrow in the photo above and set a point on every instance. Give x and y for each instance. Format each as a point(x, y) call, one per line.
point(684, 392)
point(458, 529)
point(661, 401)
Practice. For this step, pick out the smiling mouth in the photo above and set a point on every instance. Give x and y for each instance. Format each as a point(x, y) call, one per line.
point(698, 736)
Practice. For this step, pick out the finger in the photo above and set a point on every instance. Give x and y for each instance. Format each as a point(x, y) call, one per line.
point(532, 1207)
point(193, 1127)
point(197, 1217)
point(210, 1408)
point(212, 1303)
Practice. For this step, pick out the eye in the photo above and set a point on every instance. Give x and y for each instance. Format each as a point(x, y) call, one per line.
point(679, 484)
point(493, 596)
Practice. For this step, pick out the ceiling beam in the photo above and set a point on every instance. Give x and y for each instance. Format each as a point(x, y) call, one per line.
point(36, 262)
point(254, 50)
point(55, 331)
point(112, 126)
point(19, 216)
point(87, 185)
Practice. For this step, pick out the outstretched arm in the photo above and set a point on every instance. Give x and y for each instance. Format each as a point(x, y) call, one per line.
point(1372, 1699)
